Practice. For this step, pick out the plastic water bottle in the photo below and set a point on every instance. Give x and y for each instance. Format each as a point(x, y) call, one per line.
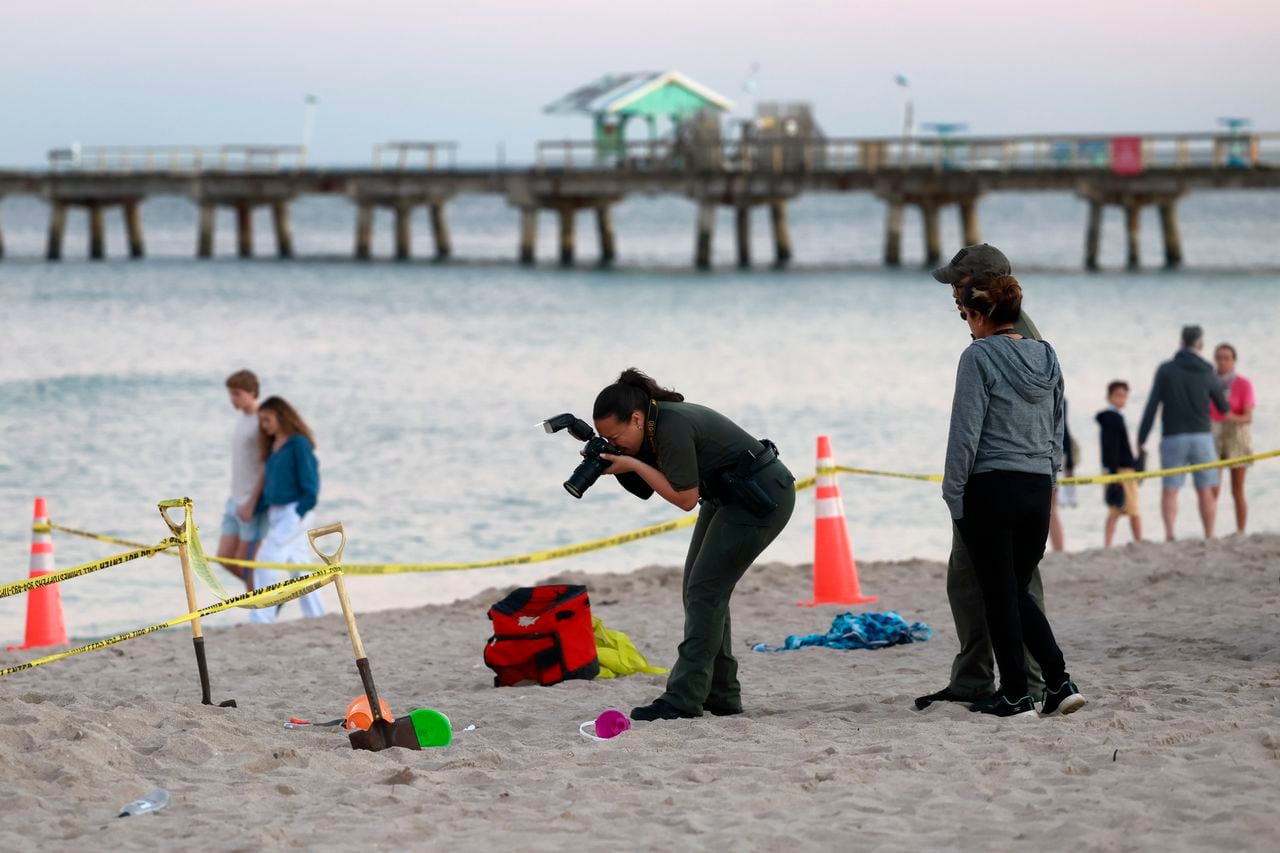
point(153, 802)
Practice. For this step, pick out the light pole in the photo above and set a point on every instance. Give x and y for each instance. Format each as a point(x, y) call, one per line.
point(308, 123)
point(904, 83)
point(749, 88)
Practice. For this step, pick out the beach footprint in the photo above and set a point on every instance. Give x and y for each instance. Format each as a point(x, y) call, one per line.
point(286, 757)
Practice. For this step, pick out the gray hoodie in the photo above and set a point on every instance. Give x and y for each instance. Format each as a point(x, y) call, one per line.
point(1007, 414)
point(1186, 385)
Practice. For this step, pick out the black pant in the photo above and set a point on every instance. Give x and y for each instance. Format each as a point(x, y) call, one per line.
point(1005, 525)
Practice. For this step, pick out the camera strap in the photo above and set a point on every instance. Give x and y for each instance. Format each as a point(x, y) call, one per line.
point(651, 426)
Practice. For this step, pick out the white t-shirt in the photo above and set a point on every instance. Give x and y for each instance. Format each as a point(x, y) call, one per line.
point(246, 458)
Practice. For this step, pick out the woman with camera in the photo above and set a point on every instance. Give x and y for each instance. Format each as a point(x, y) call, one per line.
point(1004, 448)
point(691, 455)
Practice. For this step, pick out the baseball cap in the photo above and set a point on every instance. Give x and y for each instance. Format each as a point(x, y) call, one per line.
point(981, 260)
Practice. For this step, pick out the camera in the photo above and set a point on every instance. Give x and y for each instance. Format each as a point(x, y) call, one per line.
point(586, 474)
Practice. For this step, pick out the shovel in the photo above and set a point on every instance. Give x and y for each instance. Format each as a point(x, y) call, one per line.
point(381, 734)
point(182, 532)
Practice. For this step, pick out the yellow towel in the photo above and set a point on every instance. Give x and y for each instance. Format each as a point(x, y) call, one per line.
point(618, 655)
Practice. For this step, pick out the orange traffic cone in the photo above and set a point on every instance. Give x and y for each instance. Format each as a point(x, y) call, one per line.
point(835, 574)
point(45, 626)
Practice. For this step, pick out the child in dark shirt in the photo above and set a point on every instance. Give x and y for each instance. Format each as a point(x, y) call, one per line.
point(1117, 458)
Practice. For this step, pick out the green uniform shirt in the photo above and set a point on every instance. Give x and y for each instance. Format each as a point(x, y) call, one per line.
point(694, 441)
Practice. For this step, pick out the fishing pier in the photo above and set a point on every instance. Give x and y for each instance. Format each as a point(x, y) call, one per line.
point(747, 175)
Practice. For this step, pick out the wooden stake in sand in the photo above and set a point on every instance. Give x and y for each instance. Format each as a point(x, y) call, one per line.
point(381, 733)
point(182, 532)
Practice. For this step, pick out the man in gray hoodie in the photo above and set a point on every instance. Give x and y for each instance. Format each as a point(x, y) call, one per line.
point(973, 670)
point(1185, 386)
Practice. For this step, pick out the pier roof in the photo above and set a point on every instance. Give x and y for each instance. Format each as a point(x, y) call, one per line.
point(655, 93)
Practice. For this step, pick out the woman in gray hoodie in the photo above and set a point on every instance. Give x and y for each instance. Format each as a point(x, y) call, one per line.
point(1003, 452)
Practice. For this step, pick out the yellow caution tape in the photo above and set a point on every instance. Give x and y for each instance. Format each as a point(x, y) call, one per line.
point(523, 559)
point(101, 537)
point(867, 472)
point(188, 533)
point(277, 593)
point(1105, 479)
point(681, 523)
point(83, 569)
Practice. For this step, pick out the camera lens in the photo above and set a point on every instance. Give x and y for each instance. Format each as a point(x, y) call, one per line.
point(584, 476)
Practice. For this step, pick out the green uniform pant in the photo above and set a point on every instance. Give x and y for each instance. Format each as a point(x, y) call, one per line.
point(973, 673)
point(725, 542)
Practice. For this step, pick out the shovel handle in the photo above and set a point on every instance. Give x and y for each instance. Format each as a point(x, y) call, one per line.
point(317, 532)
point(177, 529)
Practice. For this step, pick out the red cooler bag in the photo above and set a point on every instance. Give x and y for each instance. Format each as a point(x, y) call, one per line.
point(542, 634)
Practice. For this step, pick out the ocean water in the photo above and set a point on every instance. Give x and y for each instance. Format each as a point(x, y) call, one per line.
point(424, 383)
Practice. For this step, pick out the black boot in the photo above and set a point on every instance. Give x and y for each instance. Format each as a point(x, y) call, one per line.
point(1001, 705)
point(726, 709)
point(1066, 698)
point(946, 694)
point(661, 709)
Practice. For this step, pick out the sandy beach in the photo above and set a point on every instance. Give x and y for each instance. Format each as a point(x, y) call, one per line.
point(1179, 748)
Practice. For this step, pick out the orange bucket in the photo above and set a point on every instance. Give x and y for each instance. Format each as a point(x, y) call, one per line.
point(360, 717)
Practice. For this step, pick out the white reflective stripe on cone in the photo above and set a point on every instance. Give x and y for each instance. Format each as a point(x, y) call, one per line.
point(828, 508)
point(41, 563)
point(826, 479)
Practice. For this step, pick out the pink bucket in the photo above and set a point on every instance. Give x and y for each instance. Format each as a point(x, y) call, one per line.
point(608, 725)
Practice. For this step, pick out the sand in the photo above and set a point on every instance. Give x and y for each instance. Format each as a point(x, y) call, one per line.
point(1179, 748)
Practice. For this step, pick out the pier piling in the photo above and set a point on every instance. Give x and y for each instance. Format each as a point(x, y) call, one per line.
point(705, 235)
point(781, 232)
point(284, 231)
point(743, 231)
point(97, 232)
point(1132, 229)
point(567, 221)
point(205, 228)
point(57, 228)
point(1172, 237)
point(528, 235)
point(932, 236)
point(133, 228)
point(969, 221)
point(568, 217)
point(893, 234)
point(404, 231)
point(440, 231)
point(244, 229)
point(608, 237)
point(1093, 235)
point(364, 231)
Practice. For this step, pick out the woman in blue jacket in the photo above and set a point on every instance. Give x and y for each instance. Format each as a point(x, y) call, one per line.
point(290, 487)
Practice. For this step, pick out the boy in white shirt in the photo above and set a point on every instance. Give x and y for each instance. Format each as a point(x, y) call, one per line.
point(241, 526)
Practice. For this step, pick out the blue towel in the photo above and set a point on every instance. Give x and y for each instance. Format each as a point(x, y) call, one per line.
point(863, 631)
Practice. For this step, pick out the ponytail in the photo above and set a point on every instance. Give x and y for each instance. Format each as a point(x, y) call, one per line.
point(999, 299)
point(631, 393)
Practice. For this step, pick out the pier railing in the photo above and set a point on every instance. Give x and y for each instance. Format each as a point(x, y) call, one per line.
point(416, 155)
point(1111, 153)
point(177, 158)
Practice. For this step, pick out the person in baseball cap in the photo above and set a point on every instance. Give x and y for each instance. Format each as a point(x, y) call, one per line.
point(972, 671)
point(981, 261)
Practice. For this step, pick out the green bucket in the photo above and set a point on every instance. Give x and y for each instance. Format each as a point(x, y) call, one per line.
point(432, 727)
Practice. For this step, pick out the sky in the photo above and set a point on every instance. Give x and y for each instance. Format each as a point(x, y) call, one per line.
point(479, 72)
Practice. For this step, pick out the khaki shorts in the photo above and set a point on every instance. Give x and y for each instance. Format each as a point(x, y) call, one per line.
point(1123, 496)
point(1232, 441)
